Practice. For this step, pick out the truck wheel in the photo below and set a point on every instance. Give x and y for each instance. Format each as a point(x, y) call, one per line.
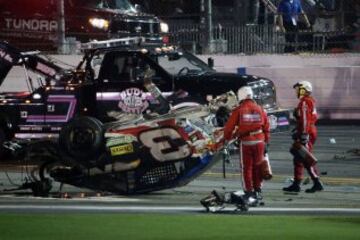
point(82, 138)
point(2, 140)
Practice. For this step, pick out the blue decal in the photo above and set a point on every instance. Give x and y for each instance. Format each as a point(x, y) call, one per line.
point(188, 128)
point(204, 161)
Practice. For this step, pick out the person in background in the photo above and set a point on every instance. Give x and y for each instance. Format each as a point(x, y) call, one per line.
point(289, 12)
point(249, 124)
point(305, 132)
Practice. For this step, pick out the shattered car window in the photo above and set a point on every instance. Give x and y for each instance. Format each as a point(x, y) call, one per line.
point(111, 4)
point(174, 63)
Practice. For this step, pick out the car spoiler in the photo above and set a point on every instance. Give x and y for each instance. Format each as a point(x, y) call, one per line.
point(11, 56)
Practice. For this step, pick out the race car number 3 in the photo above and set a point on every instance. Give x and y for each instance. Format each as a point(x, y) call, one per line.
point(165, 144)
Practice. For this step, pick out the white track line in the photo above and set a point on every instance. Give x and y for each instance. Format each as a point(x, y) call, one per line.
point(169, 209)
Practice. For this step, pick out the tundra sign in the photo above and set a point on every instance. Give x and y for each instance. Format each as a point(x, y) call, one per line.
point(31, 24)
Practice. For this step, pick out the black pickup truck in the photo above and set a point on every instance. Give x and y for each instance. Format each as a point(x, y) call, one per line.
point(108, 85)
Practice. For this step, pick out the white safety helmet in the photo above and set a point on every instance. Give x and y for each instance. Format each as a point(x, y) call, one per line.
point(303, 88)
point(245, 93)
point(305, 85)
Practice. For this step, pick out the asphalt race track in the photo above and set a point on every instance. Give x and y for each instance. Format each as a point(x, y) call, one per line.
point(337, 149)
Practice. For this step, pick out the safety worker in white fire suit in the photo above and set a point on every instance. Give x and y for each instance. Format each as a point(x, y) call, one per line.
point(249, 124)
point(305, 132)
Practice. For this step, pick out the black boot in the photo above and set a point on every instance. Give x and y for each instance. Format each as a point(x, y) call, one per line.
point(317, 187)
point(294, 187)
point(258, 194)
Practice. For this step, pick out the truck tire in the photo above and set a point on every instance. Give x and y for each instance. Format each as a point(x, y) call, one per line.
point(82, 138)
point(2, 140)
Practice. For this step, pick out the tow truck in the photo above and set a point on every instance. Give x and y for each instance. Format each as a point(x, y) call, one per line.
point(35, 23)
point(98, 126)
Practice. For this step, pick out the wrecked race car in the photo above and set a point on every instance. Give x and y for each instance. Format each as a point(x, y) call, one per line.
point(127, 158)
point(101, 127)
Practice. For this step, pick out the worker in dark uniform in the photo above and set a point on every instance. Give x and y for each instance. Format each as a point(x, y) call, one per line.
point(289, 12)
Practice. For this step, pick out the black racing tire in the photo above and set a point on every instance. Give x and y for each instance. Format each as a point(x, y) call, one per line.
point(82, 138)
point(2, 140)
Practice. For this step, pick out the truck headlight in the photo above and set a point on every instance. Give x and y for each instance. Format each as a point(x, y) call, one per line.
point(164, 27)
point(99, 23)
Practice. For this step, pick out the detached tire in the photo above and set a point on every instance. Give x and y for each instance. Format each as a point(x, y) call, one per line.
point(82, 138)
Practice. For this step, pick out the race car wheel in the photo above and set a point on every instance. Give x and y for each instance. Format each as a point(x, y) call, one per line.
point(82, 138)
point(2, 140)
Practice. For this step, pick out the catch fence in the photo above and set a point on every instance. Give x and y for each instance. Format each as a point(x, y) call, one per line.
point(254, 39)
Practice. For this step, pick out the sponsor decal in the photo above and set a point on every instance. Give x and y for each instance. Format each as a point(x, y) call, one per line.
point(122, 149)
point(273, 121)
point(251, 118)
point(35, 135)
point(132, 101)
point(283, 121)
point(121, 139)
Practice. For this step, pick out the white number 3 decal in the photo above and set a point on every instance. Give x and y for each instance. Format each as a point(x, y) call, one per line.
point(165, 144)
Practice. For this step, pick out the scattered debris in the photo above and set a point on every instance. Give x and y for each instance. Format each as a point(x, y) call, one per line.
point(355, 151)
point(332, 140)
point(324, 173)
point(344, 155)
point(340, 156)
